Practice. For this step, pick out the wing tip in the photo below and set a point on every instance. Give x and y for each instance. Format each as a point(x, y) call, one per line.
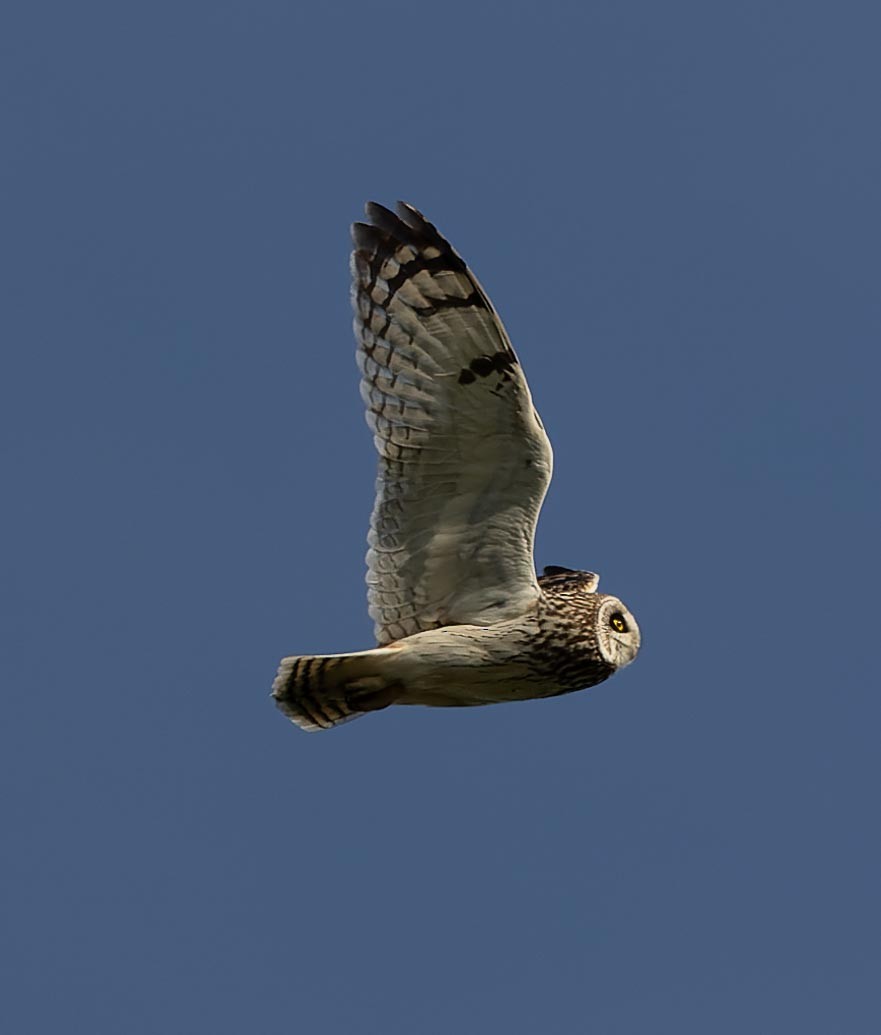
point(405, 225)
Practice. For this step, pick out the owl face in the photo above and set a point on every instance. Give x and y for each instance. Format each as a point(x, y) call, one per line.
point(617, 633)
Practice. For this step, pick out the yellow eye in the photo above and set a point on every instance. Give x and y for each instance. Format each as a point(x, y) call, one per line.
point(618, 623)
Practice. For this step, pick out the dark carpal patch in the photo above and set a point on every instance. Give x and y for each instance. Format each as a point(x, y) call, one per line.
point(502, 362)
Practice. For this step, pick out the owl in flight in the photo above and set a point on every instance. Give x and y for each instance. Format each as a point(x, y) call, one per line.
point(464, 463)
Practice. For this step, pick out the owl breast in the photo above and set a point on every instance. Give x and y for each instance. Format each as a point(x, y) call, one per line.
point(565, 655)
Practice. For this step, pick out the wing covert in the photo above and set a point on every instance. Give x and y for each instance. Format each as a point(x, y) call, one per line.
point(464, 462)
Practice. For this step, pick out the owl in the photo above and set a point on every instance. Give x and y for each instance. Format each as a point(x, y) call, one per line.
point(461, 617)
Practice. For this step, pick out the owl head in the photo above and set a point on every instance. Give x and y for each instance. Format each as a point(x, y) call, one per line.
point(612, 629)
point(616, 631)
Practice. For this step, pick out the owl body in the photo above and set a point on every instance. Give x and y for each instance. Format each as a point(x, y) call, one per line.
point(460, 615)
point(555, 649)
point(572, 638)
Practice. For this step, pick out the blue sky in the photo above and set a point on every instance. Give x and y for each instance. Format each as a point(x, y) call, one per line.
point(675, 207)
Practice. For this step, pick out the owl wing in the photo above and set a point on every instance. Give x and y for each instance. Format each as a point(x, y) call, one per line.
point(464, 462)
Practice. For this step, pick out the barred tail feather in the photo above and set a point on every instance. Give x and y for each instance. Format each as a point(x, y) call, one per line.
point(318, 692)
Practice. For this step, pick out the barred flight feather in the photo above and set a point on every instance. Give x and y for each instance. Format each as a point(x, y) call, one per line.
point(458, 437)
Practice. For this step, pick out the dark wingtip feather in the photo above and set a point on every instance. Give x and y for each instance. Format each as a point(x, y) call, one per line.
point(420, 225)
point(365, 236)
point(386, 230)
point(411, 214)
point(407, 225)
point(386, 220)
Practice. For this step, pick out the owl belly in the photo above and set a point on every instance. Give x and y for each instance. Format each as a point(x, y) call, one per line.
point(465, 665)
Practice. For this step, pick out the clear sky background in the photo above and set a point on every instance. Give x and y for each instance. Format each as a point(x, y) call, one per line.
point(676, 208)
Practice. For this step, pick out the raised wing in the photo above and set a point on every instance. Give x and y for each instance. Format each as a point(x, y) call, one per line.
point(464, 462)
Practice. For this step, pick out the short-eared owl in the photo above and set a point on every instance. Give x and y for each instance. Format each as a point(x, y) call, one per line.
point(460, 616)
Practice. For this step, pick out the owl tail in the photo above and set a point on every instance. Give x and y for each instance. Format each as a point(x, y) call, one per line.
point(318, 692)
